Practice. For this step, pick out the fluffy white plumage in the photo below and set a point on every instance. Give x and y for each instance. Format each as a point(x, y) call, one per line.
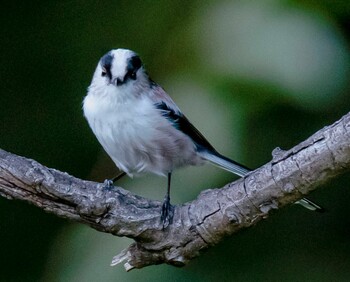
point(131, 130)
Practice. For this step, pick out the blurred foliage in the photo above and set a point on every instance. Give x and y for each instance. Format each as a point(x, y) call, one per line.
point(251, 75)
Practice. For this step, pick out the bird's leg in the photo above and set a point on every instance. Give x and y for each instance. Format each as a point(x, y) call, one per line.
point(120, 175)
point(167, 208)
point(108, 183)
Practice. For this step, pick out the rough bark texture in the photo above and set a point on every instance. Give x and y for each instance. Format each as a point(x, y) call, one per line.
point(215, 213)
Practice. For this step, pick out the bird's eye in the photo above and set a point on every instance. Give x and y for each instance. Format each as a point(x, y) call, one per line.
point(104, 72)
point(133, 75)
point(130, 75)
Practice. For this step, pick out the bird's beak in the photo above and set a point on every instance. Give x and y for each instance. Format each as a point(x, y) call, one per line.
point(117, 81)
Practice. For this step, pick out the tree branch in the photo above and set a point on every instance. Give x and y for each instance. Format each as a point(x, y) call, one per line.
point(215, 213)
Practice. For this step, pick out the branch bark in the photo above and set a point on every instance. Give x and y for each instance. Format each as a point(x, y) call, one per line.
point(197, 225)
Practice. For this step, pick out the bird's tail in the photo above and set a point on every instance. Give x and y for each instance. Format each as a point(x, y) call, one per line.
point(226, 163)
point(310, 205)
point(240, 170)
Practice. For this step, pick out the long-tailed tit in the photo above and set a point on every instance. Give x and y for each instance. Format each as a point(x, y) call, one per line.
point(142, 129)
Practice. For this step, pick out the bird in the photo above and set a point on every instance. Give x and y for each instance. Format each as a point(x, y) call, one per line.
point(143, 130)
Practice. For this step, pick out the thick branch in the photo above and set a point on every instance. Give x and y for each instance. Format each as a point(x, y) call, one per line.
point(196, 225)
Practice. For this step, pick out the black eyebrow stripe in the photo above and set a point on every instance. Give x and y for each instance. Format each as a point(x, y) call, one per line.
point(134, 63)
point(106, 63)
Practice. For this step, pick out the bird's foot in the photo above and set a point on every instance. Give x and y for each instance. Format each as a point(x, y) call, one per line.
point(167, 212)
point(108, 185)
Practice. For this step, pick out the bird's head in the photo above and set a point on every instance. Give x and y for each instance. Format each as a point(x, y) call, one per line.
point(120, 72)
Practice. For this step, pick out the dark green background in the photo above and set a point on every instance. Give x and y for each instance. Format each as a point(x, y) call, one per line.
point(49, 50)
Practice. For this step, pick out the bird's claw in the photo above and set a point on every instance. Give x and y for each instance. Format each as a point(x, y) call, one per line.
point(108, 185)
point(167, 212)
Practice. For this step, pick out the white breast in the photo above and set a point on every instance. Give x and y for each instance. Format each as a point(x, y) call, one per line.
point(136, 136)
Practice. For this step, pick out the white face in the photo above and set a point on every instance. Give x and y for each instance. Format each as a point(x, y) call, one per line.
point(120, 69)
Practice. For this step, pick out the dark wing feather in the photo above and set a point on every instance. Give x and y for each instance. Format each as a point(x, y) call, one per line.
point(180, 122)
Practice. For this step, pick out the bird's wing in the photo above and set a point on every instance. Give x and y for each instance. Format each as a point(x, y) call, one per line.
point(171, 112)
